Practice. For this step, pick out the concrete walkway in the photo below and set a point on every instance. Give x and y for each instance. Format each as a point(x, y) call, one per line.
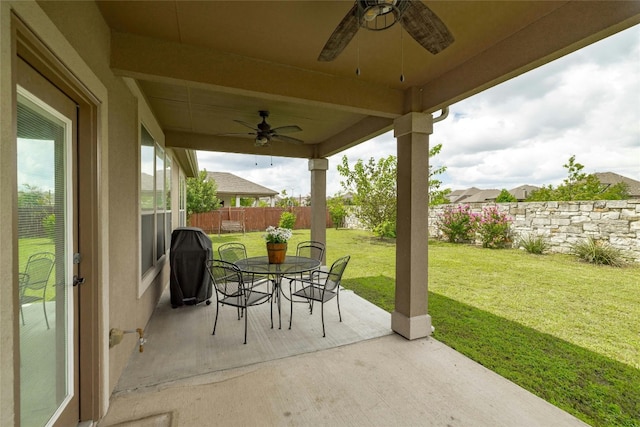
point(371, 378)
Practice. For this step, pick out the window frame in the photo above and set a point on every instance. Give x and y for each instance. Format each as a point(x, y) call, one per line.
point(158, 207)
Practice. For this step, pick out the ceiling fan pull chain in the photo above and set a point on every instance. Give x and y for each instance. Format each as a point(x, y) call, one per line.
point(401, 55)
point(358, 60)
point(358, 45)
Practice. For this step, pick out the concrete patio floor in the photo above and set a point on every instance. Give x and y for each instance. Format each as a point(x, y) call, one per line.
point(360, 374)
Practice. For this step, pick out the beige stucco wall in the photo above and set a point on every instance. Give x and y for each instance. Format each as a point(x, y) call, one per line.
point(8, 230)
point(77, 34)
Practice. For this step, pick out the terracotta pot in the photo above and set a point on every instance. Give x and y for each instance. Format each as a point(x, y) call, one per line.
point(276, 252)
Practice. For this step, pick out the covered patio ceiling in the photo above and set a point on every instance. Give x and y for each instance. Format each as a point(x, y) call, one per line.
point(202, 65)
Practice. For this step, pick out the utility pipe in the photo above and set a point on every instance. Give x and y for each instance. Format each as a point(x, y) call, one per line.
point(443, 115)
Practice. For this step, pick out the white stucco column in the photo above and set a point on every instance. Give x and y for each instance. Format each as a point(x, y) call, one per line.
point(410, 318)
point(318, 169)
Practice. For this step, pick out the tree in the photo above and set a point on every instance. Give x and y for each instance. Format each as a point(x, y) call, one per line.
point(373, 185)
point(619, 191)
point(374, 188)
point(436, 196)
point(579, 186)
point(543, 194)
point(244, 201)
point(575, 183)
point(32, 196)
point(286, 200)
point(505, 197)
point(337, 211)
point(201, 194)
point(440, 197)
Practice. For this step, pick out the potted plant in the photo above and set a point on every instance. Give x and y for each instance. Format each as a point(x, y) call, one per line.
point(277, 238)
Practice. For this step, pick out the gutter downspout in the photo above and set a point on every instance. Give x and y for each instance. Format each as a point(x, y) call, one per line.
point(443, 115)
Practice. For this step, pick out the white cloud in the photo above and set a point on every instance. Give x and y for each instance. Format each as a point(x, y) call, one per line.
point(586, 104)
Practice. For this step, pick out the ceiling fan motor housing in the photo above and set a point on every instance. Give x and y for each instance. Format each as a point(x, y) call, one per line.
point(379, 15)
point(264, 134)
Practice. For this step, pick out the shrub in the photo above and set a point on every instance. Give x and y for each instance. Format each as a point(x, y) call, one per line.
point(533, 244)
point(598, 252)
point(49, 225)
point(287, 220)
point(457, 224)
point(494, 227)
point(505, 197)
point(337, 211)
point(386, 229)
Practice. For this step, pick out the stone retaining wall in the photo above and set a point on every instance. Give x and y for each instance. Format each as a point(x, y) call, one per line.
point(565, 223)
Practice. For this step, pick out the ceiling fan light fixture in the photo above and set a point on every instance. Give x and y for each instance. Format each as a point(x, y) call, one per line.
point(372, 12)
point(262, 140)
point(375, 8)
point(379, 14)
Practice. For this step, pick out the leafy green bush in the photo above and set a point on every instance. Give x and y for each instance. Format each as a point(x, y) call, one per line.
point(49, 225)
point(201, 194)
point(287, 220)
point(337, 211)
point(598, 252)
point(505, 197)
point(457, 223)
point(533, 244)
point(386, 229)
point(494, 227)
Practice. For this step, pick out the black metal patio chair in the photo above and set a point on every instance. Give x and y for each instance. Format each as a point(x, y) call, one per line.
point(322, 286)
point(230, 289)
point(311, 249)
point(234, 251)
point(34, 279)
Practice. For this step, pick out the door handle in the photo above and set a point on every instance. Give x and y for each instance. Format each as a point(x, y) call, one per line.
point(78, 280)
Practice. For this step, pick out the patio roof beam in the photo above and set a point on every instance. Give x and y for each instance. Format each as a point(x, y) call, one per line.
point(163, 61)
point(364, 130)
point(229, 144)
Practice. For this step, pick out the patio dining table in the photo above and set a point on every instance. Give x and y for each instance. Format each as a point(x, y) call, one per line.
point(292, 265)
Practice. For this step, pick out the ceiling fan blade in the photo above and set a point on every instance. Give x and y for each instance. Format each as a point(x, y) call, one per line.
point(288, 139)
point(425, 27)
point(287, 129)
point(246, 124)
point(341, 36)
point(236, 134)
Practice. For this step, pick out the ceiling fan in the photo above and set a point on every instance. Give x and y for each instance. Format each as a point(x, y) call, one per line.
point(416, 18)
point(264, 133)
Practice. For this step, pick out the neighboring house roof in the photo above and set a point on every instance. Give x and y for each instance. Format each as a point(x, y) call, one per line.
point(610, 178)
point(348, 196)
point(230, 184)
point(483, 196)
point(475, 195)
point(462, 195)
point(523, 191)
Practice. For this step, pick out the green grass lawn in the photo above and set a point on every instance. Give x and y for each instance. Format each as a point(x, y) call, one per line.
point(30, 246)
point(565, 330)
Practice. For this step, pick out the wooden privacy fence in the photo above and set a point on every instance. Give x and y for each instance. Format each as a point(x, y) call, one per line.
point(251, 219)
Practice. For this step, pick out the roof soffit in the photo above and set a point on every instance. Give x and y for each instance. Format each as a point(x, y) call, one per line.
point(203, 65)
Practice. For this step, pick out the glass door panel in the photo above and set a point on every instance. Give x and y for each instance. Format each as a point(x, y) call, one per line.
point(45, 245)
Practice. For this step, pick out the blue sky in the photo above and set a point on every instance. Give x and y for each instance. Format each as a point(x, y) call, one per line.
point(585, 104)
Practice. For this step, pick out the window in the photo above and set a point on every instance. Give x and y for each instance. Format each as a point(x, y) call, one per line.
point(183, 201)
point(167, 210)
point(160, 203)
point(155, 202)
